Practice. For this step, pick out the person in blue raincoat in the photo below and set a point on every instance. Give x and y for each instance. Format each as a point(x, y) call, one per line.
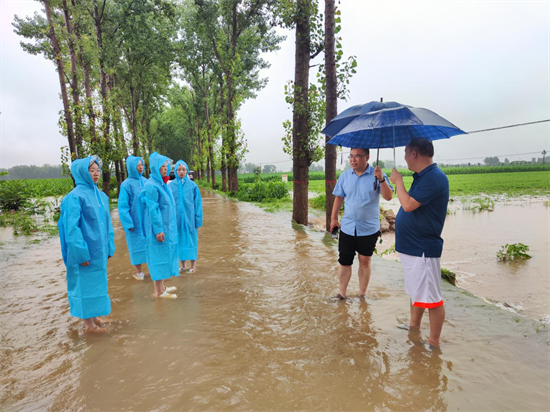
point(189, 214)
point(128, 212)
point(159, 227)
point(87, 241)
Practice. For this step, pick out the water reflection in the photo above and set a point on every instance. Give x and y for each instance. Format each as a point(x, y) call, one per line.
point(423, 381)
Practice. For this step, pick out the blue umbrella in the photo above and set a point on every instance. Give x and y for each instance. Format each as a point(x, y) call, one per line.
point(377, 125)
point(343, 119)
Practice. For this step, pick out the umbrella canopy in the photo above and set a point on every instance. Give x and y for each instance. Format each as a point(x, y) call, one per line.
point(388, 124)
point(343, 119)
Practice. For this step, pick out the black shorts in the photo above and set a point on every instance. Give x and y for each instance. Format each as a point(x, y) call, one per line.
point(348, 245)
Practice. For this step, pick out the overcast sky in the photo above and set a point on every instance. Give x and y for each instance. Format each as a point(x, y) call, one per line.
point(479, 64)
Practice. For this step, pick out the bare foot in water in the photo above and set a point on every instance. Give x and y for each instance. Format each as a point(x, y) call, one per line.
point(102, 322)
point(95, 329)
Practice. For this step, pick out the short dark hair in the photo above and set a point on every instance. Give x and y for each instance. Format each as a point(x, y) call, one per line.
point(365, 151)
point(423, 147)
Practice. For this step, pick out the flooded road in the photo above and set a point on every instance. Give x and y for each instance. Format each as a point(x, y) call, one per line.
point(255, 329)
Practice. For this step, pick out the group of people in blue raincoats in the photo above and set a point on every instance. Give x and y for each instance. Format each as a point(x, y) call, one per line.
point(160, 221)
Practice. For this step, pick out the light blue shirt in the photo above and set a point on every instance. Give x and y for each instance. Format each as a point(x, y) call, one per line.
point(361, 209)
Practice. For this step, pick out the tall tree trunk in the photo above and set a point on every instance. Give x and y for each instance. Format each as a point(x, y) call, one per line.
point(331, 107)
point(118, 178)
point(122, 172)
point(85, 64)
point(104, 102)
point(132, 121)
point(89, 102)
point(232, 162)
point(149, 137)
point(223, 168)
point(61, 72)
point(119, 168)
point(198, 165)
point(210, 162)
point(74, 78)
point(300, 128)
point(106, 125)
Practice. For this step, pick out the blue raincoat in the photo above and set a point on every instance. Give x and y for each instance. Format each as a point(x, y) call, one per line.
point(128, 210)
point(189, 213)
point(86, 234)
point(158, 215)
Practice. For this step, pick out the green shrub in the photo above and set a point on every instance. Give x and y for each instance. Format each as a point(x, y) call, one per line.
point(24, 224)
point(261, 191)
point(514, 251)
point(318, 202)
point(14, 195)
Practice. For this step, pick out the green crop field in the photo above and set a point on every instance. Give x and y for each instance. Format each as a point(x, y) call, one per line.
point(513, 184)
point(49, 187)
point(450, 170)
point(508, 182)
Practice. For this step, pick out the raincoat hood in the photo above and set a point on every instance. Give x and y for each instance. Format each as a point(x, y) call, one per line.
point(186, 178)
point(156, 161)
point(131, 166)
point(79, 170)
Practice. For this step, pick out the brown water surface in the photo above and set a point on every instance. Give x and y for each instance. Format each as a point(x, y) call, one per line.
point(255, 329)
point(472, 240)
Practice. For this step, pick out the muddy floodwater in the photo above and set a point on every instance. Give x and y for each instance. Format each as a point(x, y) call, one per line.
point(472, 240)
point(254, 329)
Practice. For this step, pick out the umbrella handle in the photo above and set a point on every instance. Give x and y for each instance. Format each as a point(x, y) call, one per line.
point(394, 164)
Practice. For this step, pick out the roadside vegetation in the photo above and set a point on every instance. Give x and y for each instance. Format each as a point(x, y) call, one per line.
point(26, 212)
point(513, 181)
point(482, 182)
point(22, 205)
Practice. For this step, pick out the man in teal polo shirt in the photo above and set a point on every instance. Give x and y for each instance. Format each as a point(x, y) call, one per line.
point(418, 228)
point(361, 187)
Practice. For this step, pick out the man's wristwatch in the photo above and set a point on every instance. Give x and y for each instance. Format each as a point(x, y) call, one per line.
point(383, 180)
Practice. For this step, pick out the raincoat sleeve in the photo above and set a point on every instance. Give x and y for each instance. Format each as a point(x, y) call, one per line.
point(152, 198)
point(111, 233)
point(198, 207)
point(124, 209)
point(62, 240)
point(74, 240)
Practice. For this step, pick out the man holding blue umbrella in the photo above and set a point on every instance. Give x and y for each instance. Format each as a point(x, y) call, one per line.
point(418, 228)
point(361, 187)
point(420, 220)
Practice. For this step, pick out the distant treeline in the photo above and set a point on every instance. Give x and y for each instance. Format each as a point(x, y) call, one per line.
point(33, 172)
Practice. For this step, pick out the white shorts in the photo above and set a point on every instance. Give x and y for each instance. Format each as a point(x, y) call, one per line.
point(422, 280)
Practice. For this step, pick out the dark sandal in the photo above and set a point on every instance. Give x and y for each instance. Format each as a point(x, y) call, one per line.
point(339, 297)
